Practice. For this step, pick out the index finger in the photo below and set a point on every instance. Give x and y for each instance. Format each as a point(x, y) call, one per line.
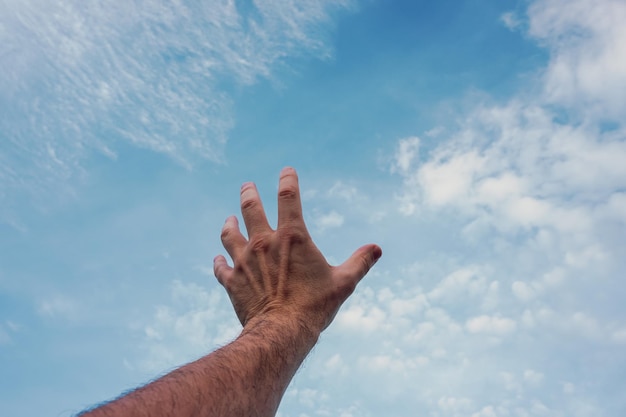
point(289, 205)
point(252, 210)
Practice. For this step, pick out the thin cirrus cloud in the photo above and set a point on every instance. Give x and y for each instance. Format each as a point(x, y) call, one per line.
point(79, 78)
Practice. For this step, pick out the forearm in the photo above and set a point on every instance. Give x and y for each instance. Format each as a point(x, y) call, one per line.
point(283, 291)
point(245, 378)
point(260, 364)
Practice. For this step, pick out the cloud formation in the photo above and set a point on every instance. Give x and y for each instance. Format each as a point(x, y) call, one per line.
point(536, 187)
point(504, 291)
point(157, 75)
point(527, 197)
point(587, 43)
point(194, 322)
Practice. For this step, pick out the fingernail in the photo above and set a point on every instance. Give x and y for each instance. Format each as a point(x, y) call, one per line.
point(378, 252)
point(247, 184)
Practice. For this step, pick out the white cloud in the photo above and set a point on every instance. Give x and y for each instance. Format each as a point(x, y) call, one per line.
point(400, 307)
point(343, 191)
point(195, 321)
point(587, 42)
point(460, 284)
point(487, 411)
point(533, 377)
point(5, 337)
point(58, 306)
point(510, 20)
point(385, 363)
point(357, 318)
point(534, 172)
point(329, 220)
point(453, 405)
point(78, 79)
point(585, 324)
point(446, 180)
point(619, 336)
point(568, 388)
point(516, 220)
point(309, 397)
point(335, 365)
point(523, 291)
point(491, 325)
point(406, 154)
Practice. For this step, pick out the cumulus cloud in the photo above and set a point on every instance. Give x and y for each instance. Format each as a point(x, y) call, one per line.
point(422, 357)
point(490, 324)
point(523, 291)
point(516, 167)
point(533, 377)
point(359, 319)
point(328, 220)
point(195, 321)
point(487, 411)
point(587, 42)
point(406, 154)
point(527, 196)
point(460, 284)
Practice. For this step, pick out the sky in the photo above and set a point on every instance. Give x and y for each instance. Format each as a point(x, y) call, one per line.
point(480, 143)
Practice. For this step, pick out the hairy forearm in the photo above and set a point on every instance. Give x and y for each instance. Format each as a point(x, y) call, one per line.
point(243, 379)
point(283, 291)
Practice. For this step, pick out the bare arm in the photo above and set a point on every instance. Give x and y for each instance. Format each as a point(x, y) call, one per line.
point(284, 293)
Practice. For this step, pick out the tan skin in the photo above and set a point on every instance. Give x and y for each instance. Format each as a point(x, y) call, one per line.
point(284, 293)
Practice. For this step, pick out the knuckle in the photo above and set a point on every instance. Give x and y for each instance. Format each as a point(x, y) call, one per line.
point(249, 203)
point(288, 192)
point(347, 288)
point(259, 243)
point(292, 235)
point(228, 285)
point(222, 277)
point(364, 263)
point(226, 234)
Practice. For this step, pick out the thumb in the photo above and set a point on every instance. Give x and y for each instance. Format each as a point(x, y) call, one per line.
point(359, 263)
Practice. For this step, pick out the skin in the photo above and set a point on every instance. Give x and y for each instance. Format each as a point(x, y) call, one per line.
point(283, 292)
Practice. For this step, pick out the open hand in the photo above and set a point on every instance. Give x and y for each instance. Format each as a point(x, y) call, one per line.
point(280, 274)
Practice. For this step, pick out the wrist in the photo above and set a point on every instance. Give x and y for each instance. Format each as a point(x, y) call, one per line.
point(284, 324)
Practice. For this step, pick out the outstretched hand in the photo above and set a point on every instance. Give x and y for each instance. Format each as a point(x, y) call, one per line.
point(284, 293)
point(280, 274)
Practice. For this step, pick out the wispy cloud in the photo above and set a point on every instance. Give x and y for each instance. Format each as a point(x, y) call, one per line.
point(7, 330)
point(328, 220)
point(85, 78)
point(58, 306)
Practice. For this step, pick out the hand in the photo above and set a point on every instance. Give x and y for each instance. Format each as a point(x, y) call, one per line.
point(281, 274)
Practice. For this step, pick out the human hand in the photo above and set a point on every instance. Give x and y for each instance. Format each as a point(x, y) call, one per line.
point(281, 274)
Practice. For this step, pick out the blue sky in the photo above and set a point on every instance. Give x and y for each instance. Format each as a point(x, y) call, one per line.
point(481, 143)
